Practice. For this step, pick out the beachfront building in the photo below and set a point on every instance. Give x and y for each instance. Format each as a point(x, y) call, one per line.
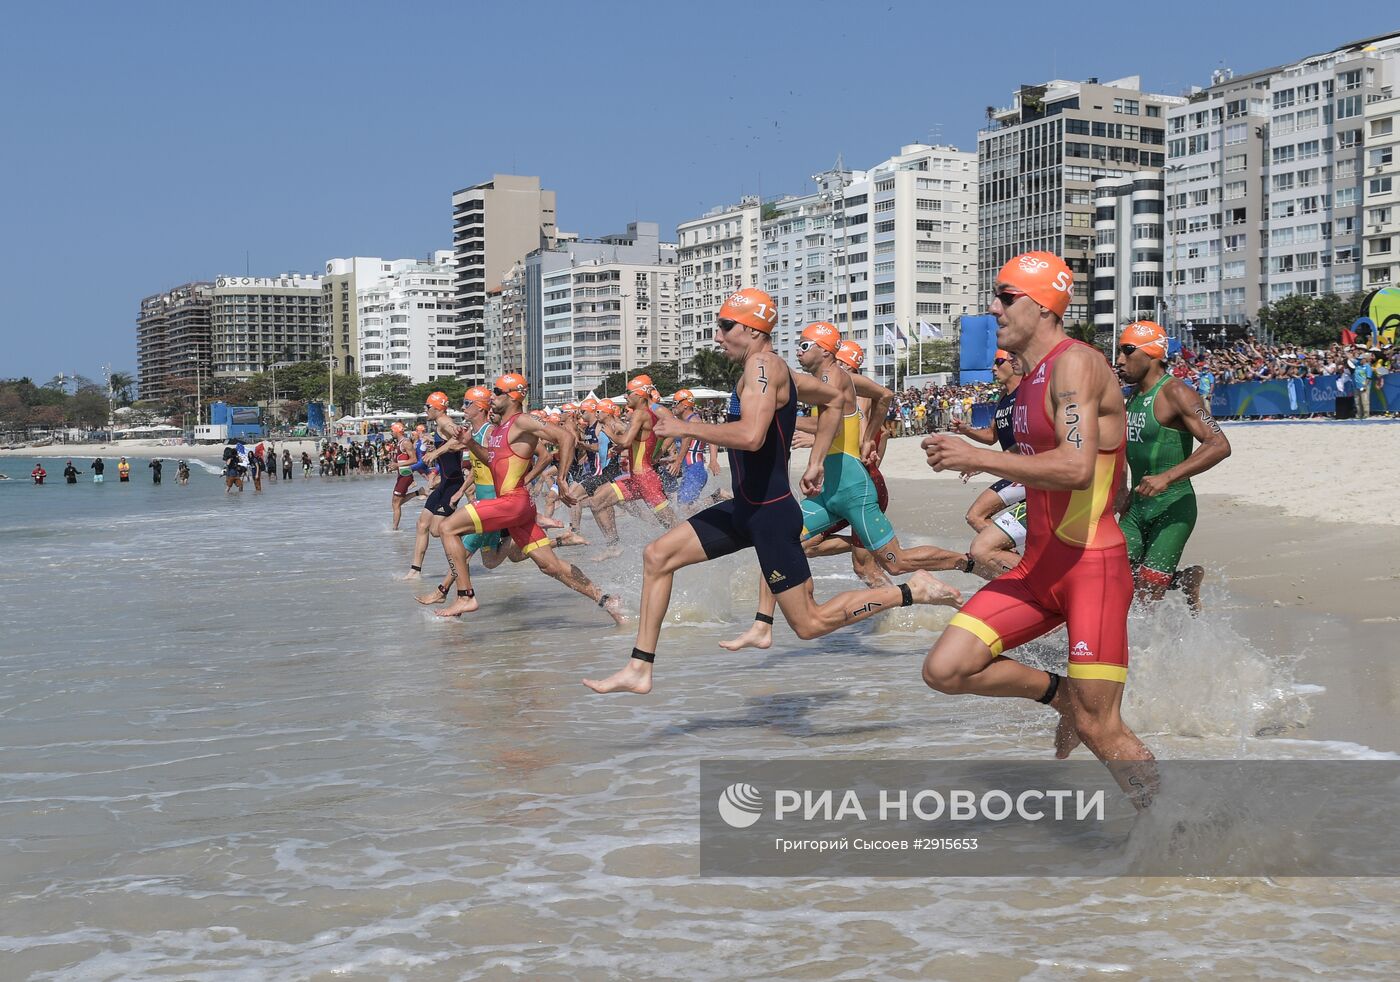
point(597, 306)
point(1038, 160)
point(1265, 185)
point(494, 225)
point(1380, 256)
point(173, 338)
point(402, 316)
point(798, 259)
point(259, 321)
point(340, 305)
point(1127, 249)
point(718, 253)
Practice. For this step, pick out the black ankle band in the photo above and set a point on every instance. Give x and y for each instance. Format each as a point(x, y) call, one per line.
point(967, 568)
point(442, 589)
point(603, 600)
point(763, 618)
point(646, 656)
point(907, 595)
point(466, 593)
point(416, 569)
point(1050, 689)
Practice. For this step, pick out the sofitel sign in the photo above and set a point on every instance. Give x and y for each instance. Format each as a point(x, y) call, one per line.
point(295, 282)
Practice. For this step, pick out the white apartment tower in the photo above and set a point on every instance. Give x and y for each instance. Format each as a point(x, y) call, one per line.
point(1268, 181)
point(797, 257)
point(718, 253)
point(494, 225)
point(1038, 161)
point(1127, 249)
point(1380, 257)
point(404, 315)
point(260, 321)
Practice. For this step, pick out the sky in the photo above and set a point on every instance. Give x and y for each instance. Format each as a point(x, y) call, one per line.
point(144, 145)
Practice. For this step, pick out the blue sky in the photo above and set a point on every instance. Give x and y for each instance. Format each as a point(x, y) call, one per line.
point(148, 144)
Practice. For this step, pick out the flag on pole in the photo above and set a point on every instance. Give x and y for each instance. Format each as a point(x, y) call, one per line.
point(899, 333)
point(889, 336)
point(927, 330)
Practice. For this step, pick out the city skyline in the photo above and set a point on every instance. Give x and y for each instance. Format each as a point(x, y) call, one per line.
point(146, 138)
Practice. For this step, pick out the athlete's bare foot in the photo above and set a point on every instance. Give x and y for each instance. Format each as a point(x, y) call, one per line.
point(614, 609)
point(462, 605)
point(569, 539)
point(413, 574)
point(545, 522)
point(611, 552)
point(759, 635)
point(428, 599)
point(635, 678)
point(928, 589)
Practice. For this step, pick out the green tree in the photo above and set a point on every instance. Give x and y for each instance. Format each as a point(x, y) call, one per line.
point(418, 394)
point(1309, 321)
point(388, 392)
point(712, 369)
point(929, 357)
point(663, 376)
point(122, 384)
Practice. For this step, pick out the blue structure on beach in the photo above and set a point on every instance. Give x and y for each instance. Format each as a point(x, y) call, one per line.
point(242, 421)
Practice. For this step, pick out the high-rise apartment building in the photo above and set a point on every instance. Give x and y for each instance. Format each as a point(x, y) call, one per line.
point(403, 315)
point(797, 257)
point(594, 307)
point(1380, 194)
point(1037, 163)
point(905, 245)
point(1266, 183)
point(1127, 249)
point(718, 254)
point(259, 321)
point(494, 225)
point(173, 338)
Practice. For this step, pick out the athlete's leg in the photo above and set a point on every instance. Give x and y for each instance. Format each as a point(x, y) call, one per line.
point(396, 503)
point(810, 619)
point(678, 548)
point(988, 503)
point(760, 632)
point(994, 553)
point(451, 529)
point(602, 502)
point(421, 534)
point(897, 560)
point(575, 579)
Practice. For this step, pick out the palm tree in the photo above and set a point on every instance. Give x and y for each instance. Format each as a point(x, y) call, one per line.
point(121, 383)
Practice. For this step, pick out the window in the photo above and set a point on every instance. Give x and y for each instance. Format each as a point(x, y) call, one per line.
point(1175, 148)
point(1378, 185)
point(1235, 163)
point(1281, 209)
point(1380, 157)
point(1307, 119)
point(1126, 107)
point(1347, 81)
point(1198, 144)
point(1281, 264)
point(1382, 127)
point(1232, 270)
point(1234, 189)
point(1348, 107)
point(1283, 99)
point(1177, 124)
point(928, 204)
point(1155, 111)
point(1282, 125)
point(1284, 155)
point(886, 185)
point(1281, 236)
point(1378, 216)
point(887, 205)
point(1307, 93)
point(1348, 139)
point(1344, 198)
point(1307, 260)
point(1380, 247)
point(1236, 133)
point(885, 226)
point(1282, 182)
point(1309, 149)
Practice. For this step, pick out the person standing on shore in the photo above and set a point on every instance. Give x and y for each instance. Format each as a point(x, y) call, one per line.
point(70, 473)
point(1164, 414)
point(763, 515)
point(1071, 428)
point(98, 466)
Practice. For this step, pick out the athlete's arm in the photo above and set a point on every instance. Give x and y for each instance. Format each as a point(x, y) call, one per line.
point(562, 438)
point(1077, 389)
point(1188, 412)
point(806, 424)
point(758, 401)
point(986, 435)
point(879, 397)
point(815, 392)
point(633, 433)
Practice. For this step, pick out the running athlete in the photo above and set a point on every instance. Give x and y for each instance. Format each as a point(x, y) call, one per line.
point(404, 486)
point(1070, 429)
point(509, 449)
point(642, 482)
point(847, 494)
point(447, 455)
point(1164, 413)
point(999, 537)
point(762, 515)
point(691, 455)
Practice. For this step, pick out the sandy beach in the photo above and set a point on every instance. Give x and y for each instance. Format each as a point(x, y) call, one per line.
point(146, 449)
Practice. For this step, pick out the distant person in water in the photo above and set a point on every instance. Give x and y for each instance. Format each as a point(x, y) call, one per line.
point(98, 466)
point(70, 473)
point(38, 473)
point(182, 473)
point(123, 471)
point(155, 465)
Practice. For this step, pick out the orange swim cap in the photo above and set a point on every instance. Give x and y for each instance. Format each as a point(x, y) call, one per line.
point(640, 385)
point(569, 408)
point(396, 429)
point(752, 308)
point(609, 408)
point(683, 397)
point(514, 384)
point(1145, 336)
point(437, 400)
point(851, 355)
point(479, 395)
point(824, 335)
point(1003, 354)
point(1042, 276)
point(589, 405)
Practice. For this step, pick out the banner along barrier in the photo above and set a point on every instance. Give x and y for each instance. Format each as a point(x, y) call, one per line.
point(1299, 396)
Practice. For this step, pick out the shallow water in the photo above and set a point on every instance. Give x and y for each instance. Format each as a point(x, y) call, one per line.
point(234, 748)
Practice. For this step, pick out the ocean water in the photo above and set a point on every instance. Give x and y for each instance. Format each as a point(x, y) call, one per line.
point(232, 747)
